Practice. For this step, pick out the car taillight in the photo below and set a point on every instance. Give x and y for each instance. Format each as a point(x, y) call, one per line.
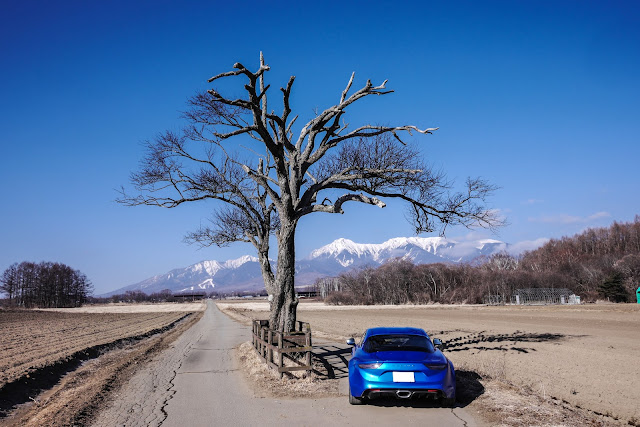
point(435, 367)
point(369, 365)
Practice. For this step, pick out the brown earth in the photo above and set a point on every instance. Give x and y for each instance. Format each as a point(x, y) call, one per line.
point(581, 360)
point(67, 364)
point(124, 307)
point(35, 339)
point(553, 365)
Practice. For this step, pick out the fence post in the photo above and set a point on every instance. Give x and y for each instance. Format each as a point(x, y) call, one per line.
point(259, 342)
point(264, 340)
point(307, 342)
point(253, 334)
point(281, 358)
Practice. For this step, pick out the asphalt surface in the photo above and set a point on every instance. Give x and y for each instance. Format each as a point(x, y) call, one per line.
point(197, 383)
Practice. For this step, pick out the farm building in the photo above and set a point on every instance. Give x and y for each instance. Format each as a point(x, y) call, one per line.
point(544, 296)
point(190, 296)
point(540, 296)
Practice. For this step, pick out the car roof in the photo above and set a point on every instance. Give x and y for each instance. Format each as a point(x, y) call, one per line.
point(393, 331)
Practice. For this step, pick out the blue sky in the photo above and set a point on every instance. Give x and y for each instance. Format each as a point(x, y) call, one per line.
point(542, 98)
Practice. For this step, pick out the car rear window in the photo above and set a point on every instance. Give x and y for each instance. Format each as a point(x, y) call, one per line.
point(398, 342)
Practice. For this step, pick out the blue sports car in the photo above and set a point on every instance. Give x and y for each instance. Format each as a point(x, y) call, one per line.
point(399, 362)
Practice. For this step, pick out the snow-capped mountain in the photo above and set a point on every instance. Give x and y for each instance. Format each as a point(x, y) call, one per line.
point(343, 254)
point(421, 250)
point(236, 274)
point(337, 257)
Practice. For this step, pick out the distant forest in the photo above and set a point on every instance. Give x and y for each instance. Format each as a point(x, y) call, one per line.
point(601, 263)
point(44, 285)
point(164, 295)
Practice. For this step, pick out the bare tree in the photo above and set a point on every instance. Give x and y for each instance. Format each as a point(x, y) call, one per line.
point(9, 281)
point(47, 284)
point(320, 169)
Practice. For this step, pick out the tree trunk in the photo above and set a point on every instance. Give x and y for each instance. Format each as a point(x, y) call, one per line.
point(284, 302)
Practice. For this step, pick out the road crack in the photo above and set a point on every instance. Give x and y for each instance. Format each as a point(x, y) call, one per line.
point(464, 423)
point(171, 392)
point(171, 389)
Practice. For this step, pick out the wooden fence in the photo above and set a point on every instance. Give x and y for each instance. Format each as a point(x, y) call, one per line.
point(275, 347)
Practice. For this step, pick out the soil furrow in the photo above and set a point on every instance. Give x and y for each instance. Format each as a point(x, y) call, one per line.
point(26, 387)
point(37, 339)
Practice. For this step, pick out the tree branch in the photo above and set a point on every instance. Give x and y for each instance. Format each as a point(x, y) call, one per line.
point(337, 206)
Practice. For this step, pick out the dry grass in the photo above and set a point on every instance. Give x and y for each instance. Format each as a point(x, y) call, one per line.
point(266, 382)
point(503, 404)
point(238, 314)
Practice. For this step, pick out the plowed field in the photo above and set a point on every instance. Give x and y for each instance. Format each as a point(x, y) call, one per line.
point(30, 340)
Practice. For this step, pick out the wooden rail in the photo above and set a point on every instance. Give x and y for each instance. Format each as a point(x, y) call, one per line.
point(274, 346)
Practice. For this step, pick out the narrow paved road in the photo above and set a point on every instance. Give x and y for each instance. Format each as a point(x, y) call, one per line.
point(196, 383)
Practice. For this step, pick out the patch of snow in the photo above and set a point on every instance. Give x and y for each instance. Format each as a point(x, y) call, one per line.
point(235, 263)
point(206, 284)
point(345, 262)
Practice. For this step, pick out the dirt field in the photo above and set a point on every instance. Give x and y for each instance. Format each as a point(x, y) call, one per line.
point(62, 364)
point(134, 308)
point(35, 339)
point(585, 357)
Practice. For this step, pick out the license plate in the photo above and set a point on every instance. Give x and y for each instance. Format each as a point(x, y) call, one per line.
point(403, 377)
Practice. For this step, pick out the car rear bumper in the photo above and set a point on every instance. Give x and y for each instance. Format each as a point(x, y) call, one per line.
point(443, 386)
point(403, 393)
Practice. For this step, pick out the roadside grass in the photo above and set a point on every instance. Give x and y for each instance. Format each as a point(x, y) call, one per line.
point(266, 382)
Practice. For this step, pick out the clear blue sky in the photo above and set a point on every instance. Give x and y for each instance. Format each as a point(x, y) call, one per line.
point(542, 98)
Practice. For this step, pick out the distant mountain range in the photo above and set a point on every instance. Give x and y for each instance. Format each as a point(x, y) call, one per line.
point(243, 274)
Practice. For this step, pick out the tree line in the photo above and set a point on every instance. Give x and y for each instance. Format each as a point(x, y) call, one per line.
point(44, 285)
point(598, 263)
point(137, 296)
point(166, 295)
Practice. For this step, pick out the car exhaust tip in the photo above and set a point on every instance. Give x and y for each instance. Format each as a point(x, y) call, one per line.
point(403, 394)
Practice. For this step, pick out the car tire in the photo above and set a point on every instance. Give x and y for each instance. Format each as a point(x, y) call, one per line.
point(449, 402)
point(355, 400)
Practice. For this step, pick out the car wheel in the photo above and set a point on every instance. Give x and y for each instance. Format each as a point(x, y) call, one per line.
point(449, 402)
point(354, 400)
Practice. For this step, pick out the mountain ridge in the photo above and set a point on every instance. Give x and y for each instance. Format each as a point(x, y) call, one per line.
point(341, 255)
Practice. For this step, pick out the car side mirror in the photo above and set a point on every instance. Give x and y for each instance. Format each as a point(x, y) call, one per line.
point(351, 341)
point(438, 344)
